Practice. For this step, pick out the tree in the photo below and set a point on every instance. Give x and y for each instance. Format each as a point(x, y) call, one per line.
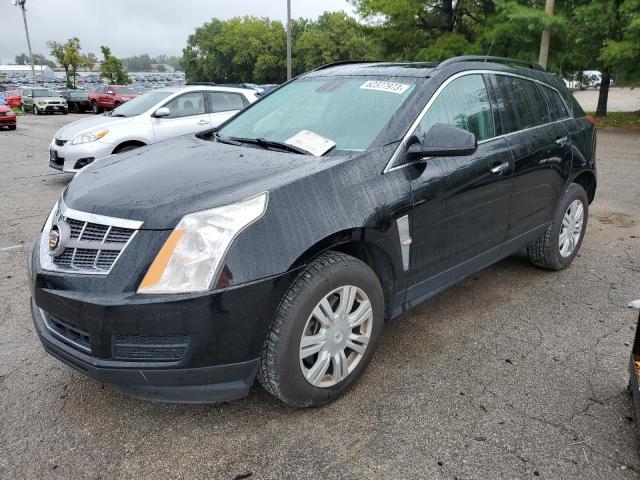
point(90, 60)
point(112, 69)
point(38, 59)
point(408, 29)
point(607, 33)
point(247, 49)
point(69, 57)
point(333, 37)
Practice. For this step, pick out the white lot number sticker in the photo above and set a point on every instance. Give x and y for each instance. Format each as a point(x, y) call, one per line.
point(385, 86)
point(311, 142)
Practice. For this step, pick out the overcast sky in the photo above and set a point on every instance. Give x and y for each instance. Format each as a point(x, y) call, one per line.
point(132, 27)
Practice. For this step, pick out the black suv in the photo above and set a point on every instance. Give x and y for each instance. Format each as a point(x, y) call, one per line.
point(276, 245)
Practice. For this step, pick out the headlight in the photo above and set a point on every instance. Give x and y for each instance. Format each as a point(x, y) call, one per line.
point(192, 255)
point(89, 137)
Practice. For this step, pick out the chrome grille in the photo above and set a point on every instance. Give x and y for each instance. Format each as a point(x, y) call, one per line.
point(92, 243)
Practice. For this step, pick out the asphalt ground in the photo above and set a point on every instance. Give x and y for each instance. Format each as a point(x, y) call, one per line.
point(514, 373)
point(620, 99)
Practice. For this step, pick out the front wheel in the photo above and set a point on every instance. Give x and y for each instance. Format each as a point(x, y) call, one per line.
point(556, 248)
point(324, 333)
point(96, 109)
point(36, 111)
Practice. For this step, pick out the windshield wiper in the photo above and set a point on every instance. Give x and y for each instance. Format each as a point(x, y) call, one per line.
point(261, 142)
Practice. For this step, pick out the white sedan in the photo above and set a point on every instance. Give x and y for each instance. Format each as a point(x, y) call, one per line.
point(152, 117)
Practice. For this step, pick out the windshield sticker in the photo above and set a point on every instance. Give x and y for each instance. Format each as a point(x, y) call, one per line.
point(311, 142)
point(385, 86)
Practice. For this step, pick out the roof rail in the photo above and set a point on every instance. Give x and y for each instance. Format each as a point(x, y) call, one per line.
point(214, 84)
point(486, 58)
point(344, 62)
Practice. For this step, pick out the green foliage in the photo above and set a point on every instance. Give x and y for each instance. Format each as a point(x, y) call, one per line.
point(142, 63)
point(69, 56)
point(38, 59)
point(112, 69)
point(247, 49)
point(333, 37)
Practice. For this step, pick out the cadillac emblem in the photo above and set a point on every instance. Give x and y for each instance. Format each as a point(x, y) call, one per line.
point(58, 235)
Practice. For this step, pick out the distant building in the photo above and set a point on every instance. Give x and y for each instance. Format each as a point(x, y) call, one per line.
point(42, 71)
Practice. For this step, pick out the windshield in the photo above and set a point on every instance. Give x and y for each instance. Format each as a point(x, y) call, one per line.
point(126, 91)
point(139, 104)
point(350, 111)
point(80, 95)
point(41, 92)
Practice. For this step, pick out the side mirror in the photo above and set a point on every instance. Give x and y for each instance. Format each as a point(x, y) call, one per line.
point(109, 92)
point(443, 141)
point(162, 112)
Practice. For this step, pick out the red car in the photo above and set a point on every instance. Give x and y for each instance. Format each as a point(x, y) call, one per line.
point(110, 97)
point(7, 117)
point(13, 98)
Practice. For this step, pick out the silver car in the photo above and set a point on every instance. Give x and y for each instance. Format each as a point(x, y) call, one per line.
point(152, 117)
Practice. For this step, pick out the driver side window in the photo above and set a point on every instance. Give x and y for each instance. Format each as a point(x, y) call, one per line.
point(463, 103)
point(186, 105)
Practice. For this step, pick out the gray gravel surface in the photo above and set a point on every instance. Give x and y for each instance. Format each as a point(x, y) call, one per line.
point(514, 373)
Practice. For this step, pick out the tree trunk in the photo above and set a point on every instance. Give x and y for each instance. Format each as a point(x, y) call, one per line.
point(447, 15)
point(603, 97)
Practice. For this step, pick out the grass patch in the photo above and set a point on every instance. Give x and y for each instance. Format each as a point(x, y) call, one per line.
point(619, 120)
point(17, 111)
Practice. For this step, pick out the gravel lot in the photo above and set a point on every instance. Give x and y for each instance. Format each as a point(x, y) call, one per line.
point(620, 99)
point(514, 373)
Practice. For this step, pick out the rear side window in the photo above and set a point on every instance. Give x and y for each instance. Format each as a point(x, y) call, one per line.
point(525, 107)
point(557, 108)
point(225, 101)
point(464, 103)
point(186, 105)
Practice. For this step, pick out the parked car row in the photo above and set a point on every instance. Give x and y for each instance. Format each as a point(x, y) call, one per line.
point(142, 120)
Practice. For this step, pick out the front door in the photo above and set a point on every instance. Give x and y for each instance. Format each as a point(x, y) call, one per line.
point(461, 204)
point(188, 114)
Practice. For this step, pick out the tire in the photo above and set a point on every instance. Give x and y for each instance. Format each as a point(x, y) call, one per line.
point(65, 112)
point(546, 252)
point(35, 110)
point(12, 127)
point(96, 109)
point(281, 369)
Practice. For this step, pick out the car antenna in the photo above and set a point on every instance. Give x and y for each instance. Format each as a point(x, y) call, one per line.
point(490, 47)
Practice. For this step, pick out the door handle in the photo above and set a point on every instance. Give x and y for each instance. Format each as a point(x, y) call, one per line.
point(499, 169)
point(562, 141)
point(203, 122)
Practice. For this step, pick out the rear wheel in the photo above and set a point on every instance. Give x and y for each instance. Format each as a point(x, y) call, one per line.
point(324, 333)
point(559, 244)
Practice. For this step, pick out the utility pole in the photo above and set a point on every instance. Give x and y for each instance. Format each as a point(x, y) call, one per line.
point(288, 39)
point(20, 3)
point(546, 37)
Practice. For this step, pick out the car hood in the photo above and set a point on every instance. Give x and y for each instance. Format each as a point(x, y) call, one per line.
point(97, 122)
point(48, 99)
point(159, 184)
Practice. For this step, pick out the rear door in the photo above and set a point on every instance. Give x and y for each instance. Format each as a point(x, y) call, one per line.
point(27, 99)
point(224, 105)
point(188, 114)
point(460, 203)
point(541, 150)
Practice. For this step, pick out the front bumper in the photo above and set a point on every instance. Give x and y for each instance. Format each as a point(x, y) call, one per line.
point(7, 121)
point(72, 158)
point(221, 335)
point(52, 108)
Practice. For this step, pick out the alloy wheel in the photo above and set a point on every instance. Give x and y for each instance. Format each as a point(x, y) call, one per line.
point(336, 336)
point(571, 230)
